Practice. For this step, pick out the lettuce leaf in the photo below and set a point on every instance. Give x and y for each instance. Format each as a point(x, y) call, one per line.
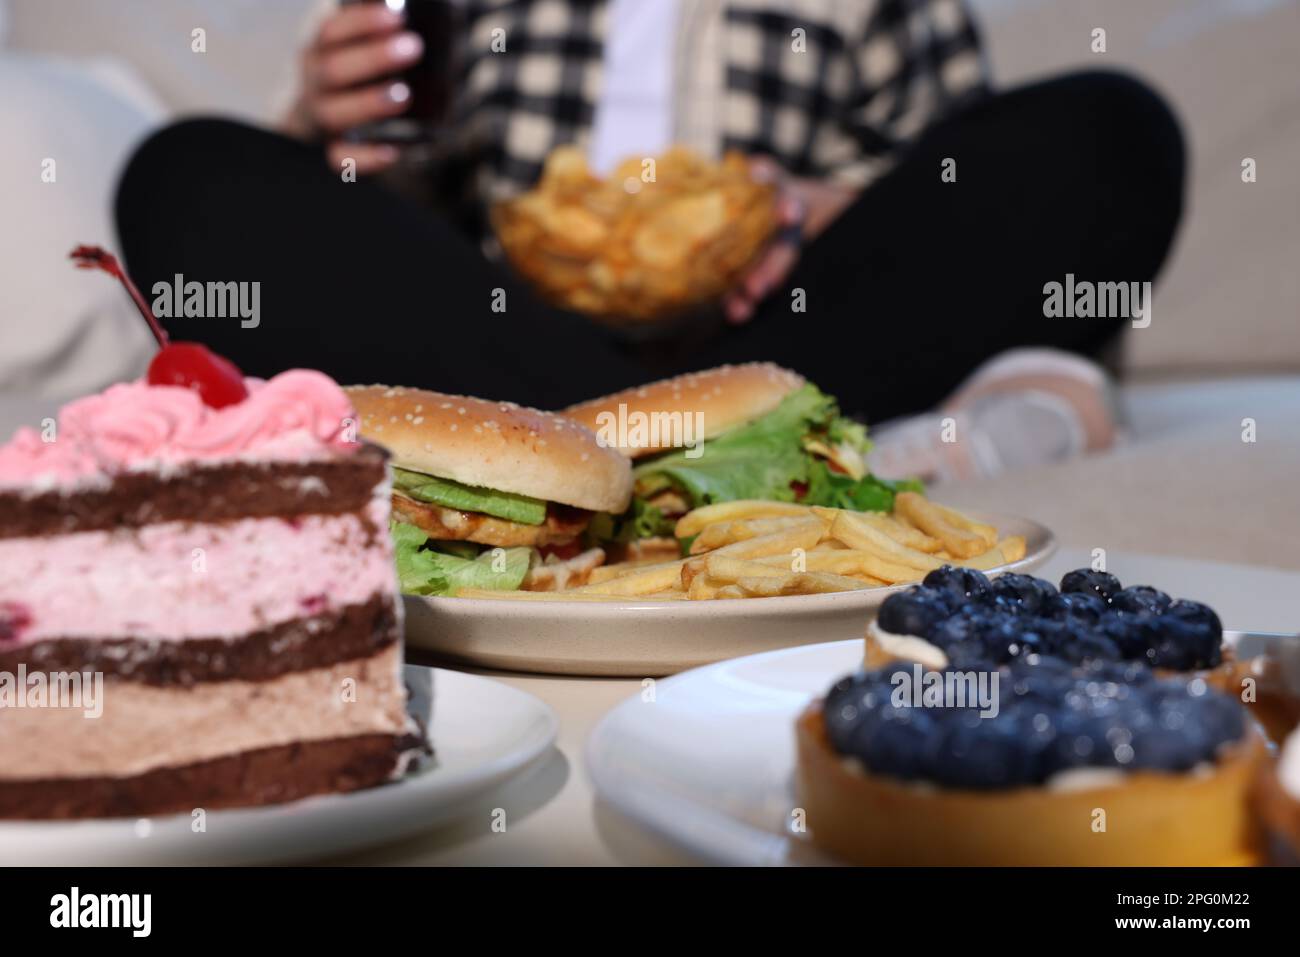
point(423, 570)
point(641, 520)
point(765, 459)
point(466, 498)
point(759, 460)
point(847, 432)
point(867, 494)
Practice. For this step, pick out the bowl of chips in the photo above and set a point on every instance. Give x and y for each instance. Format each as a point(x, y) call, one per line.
point(657, 238)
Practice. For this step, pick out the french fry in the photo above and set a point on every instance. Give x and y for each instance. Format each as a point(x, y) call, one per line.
point(860, 563)
point(725, 533)
point(1010, 549)
point(850, 530)
point(799, 583)
point(694, 522)
point(754, 549)
point(986, 532)
point(985, 560)
point(702, 588)
point(1013, 547)
point(805, 535)
point(722, 568)
point(908, 535)
point(606, 573)
point(643, 581)
point(923, 514)
point(672, 594)
point(715, 536)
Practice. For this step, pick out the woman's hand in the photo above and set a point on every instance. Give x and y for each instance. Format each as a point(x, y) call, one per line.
point(343, 80)
point(804, 208)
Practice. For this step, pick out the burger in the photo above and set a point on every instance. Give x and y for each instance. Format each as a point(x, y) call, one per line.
point(754, 431)
point(489, 494)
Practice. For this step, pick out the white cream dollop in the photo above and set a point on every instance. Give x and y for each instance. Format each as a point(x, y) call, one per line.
point(907, 647)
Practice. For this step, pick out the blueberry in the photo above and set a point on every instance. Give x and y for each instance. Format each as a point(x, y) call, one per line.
point(1184, 647)
point(965, 584)
point(1176, 647)
point(1001, 635)
point(968, 655)
point(1036, 636)
point(1168, 734)
point(1185, 637)
point(942, 595)
point(1089, 646)
point(1075, 606)
point(1221, 719)
point(1134, 635)
point(1086, 580)
point(1080, 742)
point(982, 754)
point(1140, 598)
point(853, 701)
point(1202, 618)
point(1129, 674)
point(1021, 592)
point(898, 748)
point(954, 630)
point(862, 720)
point(916, 611)
point(1044, 668)
point(983, 635)
point(1052, 717)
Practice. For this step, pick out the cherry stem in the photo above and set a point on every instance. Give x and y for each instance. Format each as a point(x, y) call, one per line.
point(96, 257)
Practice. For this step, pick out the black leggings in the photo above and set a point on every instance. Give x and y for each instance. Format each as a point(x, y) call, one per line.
point(913, 286)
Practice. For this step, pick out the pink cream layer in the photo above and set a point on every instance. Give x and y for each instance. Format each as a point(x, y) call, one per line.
point(177, 580)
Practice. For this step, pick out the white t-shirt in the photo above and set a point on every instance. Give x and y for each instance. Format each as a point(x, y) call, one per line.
point(634, 116)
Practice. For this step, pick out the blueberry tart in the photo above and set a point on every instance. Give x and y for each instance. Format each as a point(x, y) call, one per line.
point(1053, 763)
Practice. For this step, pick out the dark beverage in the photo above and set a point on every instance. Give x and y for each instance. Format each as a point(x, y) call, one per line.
point(432, 80)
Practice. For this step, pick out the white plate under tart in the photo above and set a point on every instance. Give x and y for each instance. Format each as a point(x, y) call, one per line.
point(709, 764)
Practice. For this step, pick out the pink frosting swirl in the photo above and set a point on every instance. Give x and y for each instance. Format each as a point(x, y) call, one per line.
point(28, 457)
point(297, 415)
point(131, 422)
point(295, 403)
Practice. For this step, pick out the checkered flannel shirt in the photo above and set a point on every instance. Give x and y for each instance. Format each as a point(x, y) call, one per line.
point(829, 88)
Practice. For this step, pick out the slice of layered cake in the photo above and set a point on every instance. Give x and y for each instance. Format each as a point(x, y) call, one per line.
point(228, 572)
point(197, 599)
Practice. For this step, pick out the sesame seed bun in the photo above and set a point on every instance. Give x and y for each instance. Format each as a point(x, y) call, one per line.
point(728, 396)
point(496, 445)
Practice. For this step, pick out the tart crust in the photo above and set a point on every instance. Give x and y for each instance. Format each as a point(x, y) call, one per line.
point(1151, 819)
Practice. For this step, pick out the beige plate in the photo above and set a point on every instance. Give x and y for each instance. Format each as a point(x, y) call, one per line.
point(654, 638)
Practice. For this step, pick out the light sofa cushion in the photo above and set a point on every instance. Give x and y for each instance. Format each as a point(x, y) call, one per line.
point(249, 68)
point(1186, 483)
point(64, 331)
point(1230, 294)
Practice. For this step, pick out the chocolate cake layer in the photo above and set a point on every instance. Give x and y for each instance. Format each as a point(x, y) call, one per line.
point(316, 641)
point(205, 494)
point(265, 776)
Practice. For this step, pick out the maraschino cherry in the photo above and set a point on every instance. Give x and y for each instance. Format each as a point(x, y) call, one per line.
point(189, 365)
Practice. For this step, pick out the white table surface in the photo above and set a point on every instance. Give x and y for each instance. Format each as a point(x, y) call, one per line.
point(552, 816)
